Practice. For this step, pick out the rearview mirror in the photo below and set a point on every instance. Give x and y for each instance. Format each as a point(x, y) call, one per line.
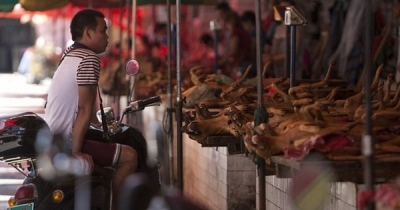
point(132, 67)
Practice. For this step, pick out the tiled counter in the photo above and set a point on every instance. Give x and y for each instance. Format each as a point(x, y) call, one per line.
point(228, 182)
point(216, 179)
point(210, 176)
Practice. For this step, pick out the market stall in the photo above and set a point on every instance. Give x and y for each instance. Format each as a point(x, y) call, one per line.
point(276, 124)
point(359, 127)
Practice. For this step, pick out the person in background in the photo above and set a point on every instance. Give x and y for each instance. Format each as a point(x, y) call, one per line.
point(204, 53)
point(149, 56)
point(24, 64)
point(112, 81)
point(38, 62)
point(239, 48)
point(160, 33)
point(223, 11)
point(72, 96)
point(114, 54)
point(248, 19)
point(276, 51)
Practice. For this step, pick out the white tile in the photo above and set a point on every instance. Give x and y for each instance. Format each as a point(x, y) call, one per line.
point(268, 179)
point(268, 192)
point(212, 183)
point(287, 204)
point(213, 196)
point(333, 189)
point(224, 162)
point(224, 151)
point(222, 175)
point(202, 188)
point(352, 195)
point(275, 196)
point(222, 189)
point(212, 169)
point(222, 203)
point(279, 198)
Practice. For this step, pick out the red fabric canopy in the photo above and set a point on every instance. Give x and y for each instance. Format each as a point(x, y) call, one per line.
point(97, 3)
point(69, 10)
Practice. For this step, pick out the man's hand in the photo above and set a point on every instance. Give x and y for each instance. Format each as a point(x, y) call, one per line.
point(86, 162)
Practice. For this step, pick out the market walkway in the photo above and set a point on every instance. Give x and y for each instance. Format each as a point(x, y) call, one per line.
point(17, 96)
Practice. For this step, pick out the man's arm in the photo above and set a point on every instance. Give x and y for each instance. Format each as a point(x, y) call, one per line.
point(87, 97)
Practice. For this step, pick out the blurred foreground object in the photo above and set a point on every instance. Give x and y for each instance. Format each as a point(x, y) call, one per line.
point(386, 197)
point(311, 185)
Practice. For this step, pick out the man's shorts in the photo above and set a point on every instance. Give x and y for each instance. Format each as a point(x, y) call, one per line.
point(104, 154)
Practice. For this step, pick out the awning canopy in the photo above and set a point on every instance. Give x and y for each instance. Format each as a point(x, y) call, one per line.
point(67, 8)
point(40, 5)
point(97, 3)
point(192, 2)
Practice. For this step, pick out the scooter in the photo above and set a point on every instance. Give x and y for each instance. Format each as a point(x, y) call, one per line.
point(52, 180)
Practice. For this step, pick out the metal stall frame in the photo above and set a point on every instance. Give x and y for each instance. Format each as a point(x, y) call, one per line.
point(260, 98)
point(367, 141)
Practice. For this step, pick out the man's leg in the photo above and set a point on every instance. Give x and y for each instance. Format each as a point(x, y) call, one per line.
point(127, 164)
point(107, 154)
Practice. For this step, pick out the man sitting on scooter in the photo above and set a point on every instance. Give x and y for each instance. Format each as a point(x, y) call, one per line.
point(72, 96)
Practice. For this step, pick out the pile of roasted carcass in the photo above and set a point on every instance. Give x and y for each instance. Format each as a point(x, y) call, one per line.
point(308, 117)
point(147, 85)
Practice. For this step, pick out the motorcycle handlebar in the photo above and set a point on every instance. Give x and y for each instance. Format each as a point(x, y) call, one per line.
point(149, 101)
point(141, 104)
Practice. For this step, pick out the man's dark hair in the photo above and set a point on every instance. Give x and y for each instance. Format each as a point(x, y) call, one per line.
point(84, 19)
point(223, 6)
point(248, 16)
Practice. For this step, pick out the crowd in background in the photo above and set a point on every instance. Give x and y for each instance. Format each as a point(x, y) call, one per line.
point(239, 39)
point(233, 50)
point(335, 32)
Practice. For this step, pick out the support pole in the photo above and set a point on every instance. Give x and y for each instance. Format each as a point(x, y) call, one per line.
point(130, 26)
point(368, 140)
point(133, 35)
point(293, 18)
point(179, 147)
point(168, 176)
point(130, 52)
point(260, 114)
point(287, 52)
point(292, 55)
